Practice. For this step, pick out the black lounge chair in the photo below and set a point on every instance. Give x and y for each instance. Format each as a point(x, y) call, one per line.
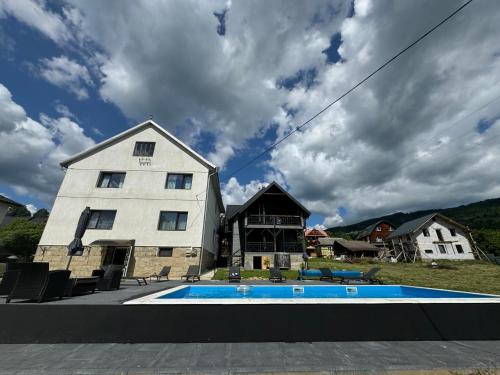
point(111, 280)
point(165, 271)
point(234, 274)
point(9, 279)
point(368, 277)
point(36, 282)
point(275, 275)
point(192, 273)
point(326, 274)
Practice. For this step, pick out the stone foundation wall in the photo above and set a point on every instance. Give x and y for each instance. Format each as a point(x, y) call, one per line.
point(295, 259)
point(144, 260)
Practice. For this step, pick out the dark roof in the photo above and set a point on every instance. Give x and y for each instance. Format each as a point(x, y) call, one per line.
point(356, 246)
point(10, 201)
point(232, 210)
point(257, 195)
point(414, 225)
point(370, 228)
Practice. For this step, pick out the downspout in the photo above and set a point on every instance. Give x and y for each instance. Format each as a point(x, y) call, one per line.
point(207, 190)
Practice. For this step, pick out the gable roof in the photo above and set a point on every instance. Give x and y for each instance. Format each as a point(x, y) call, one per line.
point(370, 228)
point(134, 130)
point(9, 201)
point(232, 210)
point(315, 232)
point(414, 225)
point(261, 192)
point(356, 246)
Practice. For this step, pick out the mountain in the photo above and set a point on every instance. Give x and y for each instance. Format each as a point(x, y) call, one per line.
point(479, 215)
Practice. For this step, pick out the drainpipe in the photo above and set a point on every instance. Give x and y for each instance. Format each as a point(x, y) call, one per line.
point(207, 191)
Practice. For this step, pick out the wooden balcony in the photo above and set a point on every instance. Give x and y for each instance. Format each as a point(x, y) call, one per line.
point(274, 221)
point(268, 247)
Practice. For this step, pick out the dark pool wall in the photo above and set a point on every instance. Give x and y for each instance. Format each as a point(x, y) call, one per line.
point(30, 323)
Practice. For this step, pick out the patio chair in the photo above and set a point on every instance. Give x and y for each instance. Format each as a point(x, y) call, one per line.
point(368, 277)
point(275, 275)
point(192, 273)
point(326, 274)
point(234, 274)
point(98, 273)
point(36, 282)
point(111, 280)
point(9, 279)
point(165, 271)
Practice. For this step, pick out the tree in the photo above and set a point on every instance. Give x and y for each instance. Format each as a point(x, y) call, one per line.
point(21, 238)
point(42, 212)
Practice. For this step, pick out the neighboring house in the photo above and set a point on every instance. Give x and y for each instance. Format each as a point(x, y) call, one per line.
point(354, 249)
point(6, 204)
point(155, 202)
point(266, 231)
point(324, 248)
point(433, 236)
point(312, 235)
point(376, 233)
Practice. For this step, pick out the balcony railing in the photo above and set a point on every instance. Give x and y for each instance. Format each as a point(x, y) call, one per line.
point(268, 247)
point(274, 220)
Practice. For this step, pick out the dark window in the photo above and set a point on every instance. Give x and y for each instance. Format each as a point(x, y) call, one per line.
point(442, 249)
point(439, 234)
point(144, 149)
point(101, 219)
point(460, 249)
point(426, 233)
point(111, 180)
point(165, 251)
point(453, 232)
point(429, 251)
point(179, 181)
point(172, 220)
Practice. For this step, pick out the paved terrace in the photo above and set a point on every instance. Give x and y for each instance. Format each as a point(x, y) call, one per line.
point(252, 358)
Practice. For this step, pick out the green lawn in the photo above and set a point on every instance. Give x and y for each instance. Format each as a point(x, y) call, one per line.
point(472, 276)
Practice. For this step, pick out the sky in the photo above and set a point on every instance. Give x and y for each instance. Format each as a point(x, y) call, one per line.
point(229, 78)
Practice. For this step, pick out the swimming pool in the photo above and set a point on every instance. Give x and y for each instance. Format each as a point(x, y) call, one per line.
point(303, 294)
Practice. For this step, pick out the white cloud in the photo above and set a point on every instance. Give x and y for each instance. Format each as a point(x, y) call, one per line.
point(31, 208)
point(66, 73)
point(234, 193)
point(34, 14)
point(30, 151)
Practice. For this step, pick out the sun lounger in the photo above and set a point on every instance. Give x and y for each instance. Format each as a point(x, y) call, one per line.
point(326, 274)
point(368, 277)
point(111, 280)
point(165, 271)
point(275, 275)
point(36, 282)
point(234, 274)
point(192, 273)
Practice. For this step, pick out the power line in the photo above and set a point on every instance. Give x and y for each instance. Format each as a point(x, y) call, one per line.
point(418, 40)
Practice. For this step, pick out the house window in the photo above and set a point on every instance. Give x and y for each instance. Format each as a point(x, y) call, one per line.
point(408, 238)
point(442, 249)
point(101, 219)
point(426, 233)
point(453, 232)
point(179, 181)
point(111, 180)
point(165, 251)
point(429, 251)
point(391, 229)
point(378, 229)
point(144, 148)
point(439, 234)
point(460, 249)
point(378, 239)
point(170, 220)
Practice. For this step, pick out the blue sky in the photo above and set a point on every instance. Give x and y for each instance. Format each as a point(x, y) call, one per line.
point(230, 79)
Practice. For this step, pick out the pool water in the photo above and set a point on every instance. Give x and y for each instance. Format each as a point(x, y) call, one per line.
point(311, 291)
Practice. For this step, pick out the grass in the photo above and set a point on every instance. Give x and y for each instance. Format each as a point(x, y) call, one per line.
point(470, 276)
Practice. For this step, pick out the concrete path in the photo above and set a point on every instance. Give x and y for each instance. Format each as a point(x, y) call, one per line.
point(252, 358)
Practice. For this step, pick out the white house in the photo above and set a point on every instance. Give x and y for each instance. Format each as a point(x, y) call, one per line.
point(433, 236)
point(5, 205)
point(155, 202)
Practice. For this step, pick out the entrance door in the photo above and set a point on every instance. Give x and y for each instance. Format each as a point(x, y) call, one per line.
point(115, 257)
point(257, 263)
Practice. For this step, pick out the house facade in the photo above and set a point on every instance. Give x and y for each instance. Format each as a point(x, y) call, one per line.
point(312, 235)
point(6, 204)
point(266, 231)
point(376, 233)
point(155, 202)
point(433, 236)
